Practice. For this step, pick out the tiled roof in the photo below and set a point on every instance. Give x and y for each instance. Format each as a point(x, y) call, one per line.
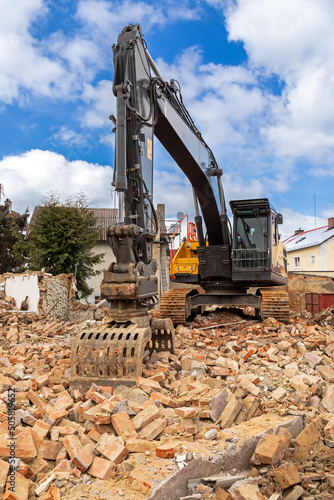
point(313, 237)
point(104, 218)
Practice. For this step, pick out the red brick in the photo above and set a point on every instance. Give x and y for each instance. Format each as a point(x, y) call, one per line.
point(123, 425)
point(94, 434)
point(167, 450)
point(287, 475)
point(34, 398)
point(107, 388)
point(186, 412)
point(165, 400)
point(104, 419)
point(148, 385)
point(158, 377)
point(38, 465)
point(64, 402)
point(25, 446)
point(140, 445)
point(102, 468)
point(146, 416)
point(326, 372)
point(20, 488)
point(97, 397)
point(4, 468)
point(153, 429)
point(329, 430)
point(73, 445)
point(42, 381)
point(49, 450)
point(305, 441)
point(270, 448)
point(39, 431)
point(55, 492)
point(247, 492)
point(85, 457)
point(84, 407)
point(111, 448)
point(55, 414)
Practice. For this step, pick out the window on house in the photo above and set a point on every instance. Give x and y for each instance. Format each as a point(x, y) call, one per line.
point(312, 259)
point(296, 261)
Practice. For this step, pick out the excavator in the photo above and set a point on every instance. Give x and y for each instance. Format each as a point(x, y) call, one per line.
point(240, 267)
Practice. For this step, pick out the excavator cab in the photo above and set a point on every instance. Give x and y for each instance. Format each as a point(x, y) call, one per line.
point(258, 255)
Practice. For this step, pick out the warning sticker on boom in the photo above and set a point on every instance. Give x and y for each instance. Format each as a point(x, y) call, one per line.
point(149, 149)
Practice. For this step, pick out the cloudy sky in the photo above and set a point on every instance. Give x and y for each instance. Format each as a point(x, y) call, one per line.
point(256, 75)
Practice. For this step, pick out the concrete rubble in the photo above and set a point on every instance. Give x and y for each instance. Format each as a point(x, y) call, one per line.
point(241, 411)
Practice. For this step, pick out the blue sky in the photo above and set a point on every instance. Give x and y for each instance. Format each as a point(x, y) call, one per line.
point(256, 75)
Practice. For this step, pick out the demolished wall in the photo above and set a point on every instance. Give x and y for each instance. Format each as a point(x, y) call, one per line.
point(300, 284)
point(44, 294)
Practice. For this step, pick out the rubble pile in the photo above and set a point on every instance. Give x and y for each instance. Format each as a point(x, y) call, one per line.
point(243, 410)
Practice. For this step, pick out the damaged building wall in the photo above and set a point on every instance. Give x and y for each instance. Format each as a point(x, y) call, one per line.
point(21, 286)
point(46, 294)
point(300, 284)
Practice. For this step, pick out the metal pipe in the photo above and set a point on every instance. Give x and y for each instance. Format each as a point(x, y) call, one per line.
point(196, 203)
point(221, 196)
point(152, 64)
point(121, 211)
point(120, 141)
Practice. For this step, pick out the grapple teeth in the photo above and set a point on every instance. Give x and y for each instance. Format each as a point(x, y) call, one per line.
point(163, 336)
point(113, 355)
point(108, 355)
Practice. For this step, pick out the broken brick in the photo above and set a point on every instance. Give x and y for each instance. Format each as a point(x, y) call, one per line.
point(123, 425)
point(145, 417)
point(269, 449)
point(111, 448)
point(20, 489)
point(287, 475)
point(102, 468)
point(85, 457)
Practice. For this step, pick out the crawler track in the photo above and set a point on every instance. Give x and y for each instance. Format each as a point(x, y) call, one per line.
point(174, 305)
point(275, 304)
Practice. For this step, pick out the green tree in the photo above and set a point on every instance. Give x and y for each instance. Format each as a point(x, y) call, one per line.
point(13, 248)
point(62, 237)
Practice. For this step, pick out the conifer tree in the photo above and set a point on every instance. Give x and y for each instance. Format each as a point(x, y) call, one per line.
point(62, 237)
point(13, 248)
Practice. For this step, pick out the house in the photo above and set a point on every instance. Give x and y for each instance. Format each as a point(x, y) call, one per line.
point(312, 252)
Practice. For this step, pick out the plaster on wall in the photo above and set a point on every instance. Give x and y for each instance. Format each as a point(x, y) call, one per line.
point(21, 286)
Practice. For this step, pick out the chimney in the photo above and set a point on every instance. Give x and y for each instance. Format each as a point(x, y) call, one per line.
point(331, 223)
point(298, 231)
point(8, 205)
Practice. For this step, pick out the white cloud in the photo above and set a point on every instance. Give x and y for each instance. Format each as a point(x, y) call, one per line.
point(80, 56)
point(100, 103)
point(32, 175)
point(105, 18)
point(328, 213)
point(294, 41)
point(293, 220)
point(223, 100)
point(68, 136)
point(23, 65)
